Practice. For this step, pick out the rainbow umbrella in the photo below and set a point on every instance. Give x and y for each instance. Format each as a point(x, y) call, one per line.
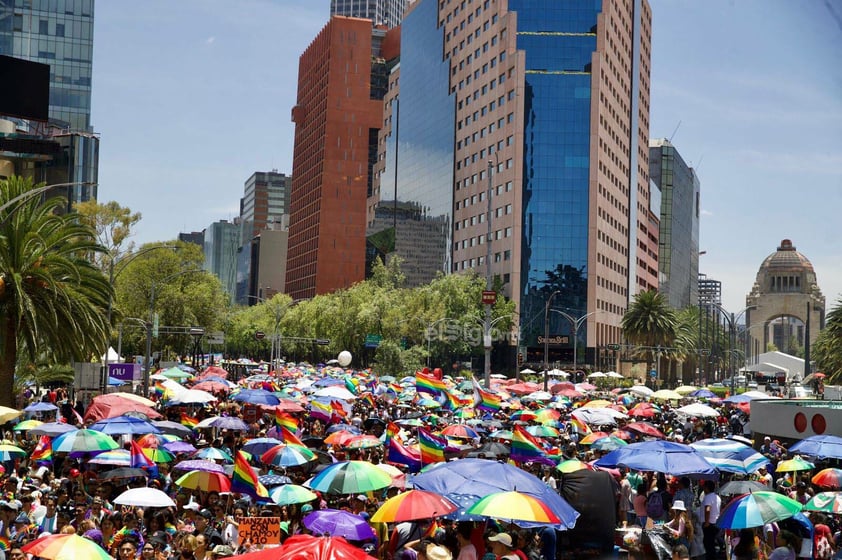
point(206, 481)
point(592, 437)
point(794, 464)
point(608, 443)
point(828, 502)
point(9, 452)
point(363, 442)
point(350, 477)
point(459, 431)
point(411, 505)
point(80, 441)
point(287, 455)
point(65, 547)
point(341, 438)
point(757, 509)
point(514, 506)
point(116, 457)
point(542, 431)
point(573, 465)
point(26, 425)
point(291, 494)
point(828, 478)
point(547, 415)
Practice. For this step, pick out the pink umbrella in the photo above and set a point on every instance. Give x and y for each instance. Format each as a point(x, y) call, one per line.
point(212, 387)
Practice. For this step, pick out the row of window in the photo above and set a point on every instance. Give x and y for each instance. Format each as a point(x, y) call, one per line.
point(503, 233)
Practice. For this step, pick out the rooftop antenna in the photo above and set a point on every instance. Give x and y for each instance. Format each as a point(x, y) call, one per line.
point(674, 131)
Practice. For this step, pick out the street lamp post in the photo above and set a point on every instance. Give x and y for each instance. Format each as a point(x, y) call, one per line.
point(547, 338)
point(575, 322)
point(486, 339)
point(731, 319)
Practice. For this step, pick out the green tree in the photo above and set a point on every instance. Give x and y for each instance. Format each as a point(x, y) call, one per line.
point(51, 295)
point(827, 351)
point(113, 225)
point(650, 323)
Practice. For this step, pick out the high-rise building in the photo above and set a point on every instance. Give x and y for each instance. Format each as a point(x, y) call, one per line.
point(221, 241)
point(710, 291)
point(194, 237)
point(266, 199)
point(380, 12)
point(546, 105)
point(678, 239)
point(59, 33)
point(338, 113)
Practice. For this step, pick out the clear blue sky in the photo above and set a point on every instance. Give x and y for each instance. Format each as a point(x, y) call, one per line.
point(191, 97)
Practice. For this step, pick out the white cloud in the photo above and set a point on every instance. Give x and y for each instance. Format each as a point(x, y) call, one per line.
point(210, 40)
point(706, 212)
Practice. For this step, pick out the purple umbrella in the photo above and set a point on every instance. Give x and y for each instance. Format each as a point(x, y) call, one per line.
point(199, 465)
point(52, 429)
point(336, 522)
point(256, 396)
point(229, 423)
point(179, 447)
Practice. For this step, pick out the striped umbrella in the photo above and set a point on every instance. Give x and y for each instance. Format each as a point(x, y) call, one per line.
point(291, 494)
point(828, 502)
point(287, 455)
point(542, 431)
point(158, 455)
point(460, 431)
point(411, 505)
point(350, 477)
point(573, 465)
point(363, 442)
point(205, 481)
point(116, 457)
point(65, 547)
point(10, 452)
point(730, 456)
point(757, 509)
point(608, 443)
point(213, 454)
point(27, 425)
point(828, 478)
point(83, 441)
point(794, 464)
point(514, 506)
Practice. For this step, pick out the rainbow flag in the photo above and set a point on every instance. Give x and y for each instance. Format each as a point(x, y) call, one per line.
point(244, 480)
point(453, 402)
point(159, 389)
point(338, 409)
point(432, 447)
point(485, 400)
point(403, 456)
point(139, 460)
point(429, 384)
point(289, 437)
point(285, 420)
point(580, 426)
point(4, 543)
point(525, 448)
point(320, 411)
point(188, 421)
point(43, 451)
point(395, 387)
point(392, 431)
point(368, 398)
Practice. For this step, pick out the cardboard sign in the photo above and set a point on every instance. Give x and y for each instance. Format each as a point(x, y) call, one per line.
point(260, 530)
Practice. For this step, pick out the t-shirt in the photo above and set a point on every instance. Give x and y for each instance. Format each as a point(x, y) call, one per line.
point(714, 502)
point(467, 552)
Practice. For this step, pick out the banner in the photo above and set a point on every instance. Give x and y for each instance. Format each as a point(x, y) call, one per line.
point(260, 530)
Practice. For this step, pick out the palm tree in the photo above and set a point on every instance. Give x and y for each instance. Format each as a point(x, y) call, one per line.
point(651, 323)
point(52, 299)
point(827, 350)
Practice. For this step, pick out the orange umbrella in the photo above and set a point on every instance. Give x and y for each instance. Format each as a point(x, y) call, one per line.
point(340, 437)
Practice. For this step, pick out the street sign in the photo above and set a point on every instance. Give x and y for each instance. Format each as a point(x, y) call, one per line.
point(217, 337)
point(372, 340)
point(489, 297)
point(259, 335)
point(653, 373)
point(323, 341)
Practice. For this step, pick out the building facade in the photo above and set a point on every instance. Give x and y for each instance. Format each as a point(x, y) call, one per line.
point(337, 116)
point(221, 240)
point(380, 12)
point(550, 111)
point(678, 238)
point(59, 33)
point(266, 199)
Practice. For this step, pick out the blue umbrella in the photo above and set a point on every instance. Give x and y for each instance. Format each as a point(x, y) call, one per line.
point(703, 394)
point(481, 477)
point(328, 381)
point(259, 446)
point(228, 423)
point(40, 407)
point(736, 399)
point(172, 428)
point(120, 425)
point(114, 382)
point(819, 447)
point(269, 480)
point(257, 396)
point(52, 429)
point(661, 456)
point(336, 522)
point(464, 501)
point(346, 427)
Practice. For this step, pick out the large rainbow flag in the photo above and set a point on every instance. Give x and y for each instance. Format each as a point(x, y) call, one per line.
point(485, 400)
point(244, 480)
point(526, 448)
point(43, 451)
point(429, 384)
point(285, 420)
point(432, 447)
point(403, 456)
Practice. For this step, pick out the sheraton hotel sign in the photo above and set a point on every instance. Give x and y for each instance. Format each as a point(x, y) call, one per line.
point(554, 340)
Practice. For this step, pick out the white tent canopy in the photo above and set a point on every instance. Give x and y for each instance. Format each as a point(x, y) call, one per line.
point(112, 357)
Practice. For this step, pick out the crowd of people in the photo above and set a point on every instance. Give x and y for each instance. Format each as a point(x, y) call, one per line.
point(69, 494)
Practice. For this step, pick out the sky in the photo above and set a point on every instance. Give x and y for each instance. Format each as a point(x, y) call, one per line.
point(192, 97)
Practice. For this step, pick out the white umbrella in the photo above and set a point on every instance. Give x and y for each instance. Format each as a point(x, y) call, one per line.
point(539, 396)
point(757, 395)
point(557, 373)
point(144, 497)
point(699, 410)
point(501, 376)
point(193, 396)
point(598, 416)
point(596, 374)
point(335, 392)
point(614, 375)
point(641, 390)
point(527, 371)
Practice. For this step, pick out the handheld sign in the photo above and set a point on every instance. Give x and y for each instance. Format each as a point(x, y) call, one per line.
point(260, 530)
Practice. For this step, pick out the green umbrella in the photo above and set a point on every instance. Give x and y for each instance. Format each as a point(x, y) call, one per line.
point(794, 464)
point(350, 477)
point(83, 441)
point(609, 443)
point(757, 509)
point(573, 465)
point(291, 494)
point(828, 502)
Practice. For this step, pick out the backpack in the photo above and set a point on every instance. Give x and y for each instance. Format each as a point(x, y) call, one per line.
point(655, 505)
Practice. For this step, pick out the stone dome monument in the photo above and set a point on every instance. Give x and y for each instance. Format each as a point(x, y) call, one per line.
point(784, 300)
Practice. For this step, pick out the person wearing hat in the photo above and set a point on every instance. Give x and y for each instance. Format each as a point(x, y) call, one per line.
point(203, 527)
point(681, 526)
point(763, 477)
point(222, 551)
point(502, 546)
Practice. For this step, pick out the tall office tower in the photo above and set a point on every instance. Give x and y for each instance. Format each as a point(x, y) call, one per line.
point(266, 198)
point(545, 104)
point(338, 113)
point(710, 291)
point(59, 33)
point(221, 241)
point(380, 12)
point(678, 240)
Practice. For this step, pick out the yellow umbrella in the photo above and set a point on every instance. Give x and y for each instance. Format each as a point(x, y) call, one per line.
point(27, 425)
point(685, 389)
point(7, 414)
point(599, 403)
point(666, 395)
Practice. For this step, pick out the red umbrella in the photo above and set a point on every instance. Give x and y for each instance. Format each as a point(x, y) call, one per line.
point(307, 547)
point(212, 386)
point(570, 393)
point(102, 409)
point(646, 429)
point(214, 371)
point(523, 388)
point(558, 387)
point(289, 406)
point(644, 410)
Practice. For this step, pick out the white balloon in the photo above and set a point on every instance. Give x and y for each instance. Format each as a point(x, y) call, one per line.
point(344, 358)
